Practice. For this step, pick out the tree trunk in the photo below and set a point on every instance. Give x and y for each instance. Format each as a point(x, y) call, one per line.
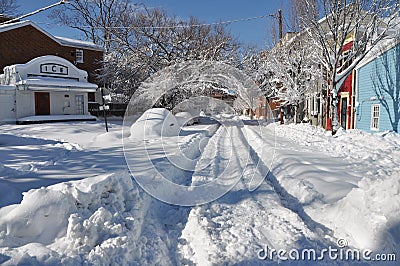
point(335, 116)
point(295, 114)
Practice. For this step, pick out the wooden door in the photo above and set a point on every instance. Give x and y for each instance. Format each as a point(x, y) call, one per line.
point(343, 113)
point(42, 103)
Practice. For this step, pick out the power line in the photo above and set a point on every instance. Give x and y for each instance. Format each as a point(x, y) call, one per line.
point(34, 12)
point(164, 27)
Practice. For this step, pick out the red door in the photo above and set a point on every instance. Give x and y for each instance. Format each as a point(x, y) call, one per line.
point(42, 103)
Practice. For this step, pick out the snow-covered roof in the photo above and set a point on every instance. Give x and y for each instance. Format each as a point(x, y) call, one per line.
point(227, 91)
point(44, 66)
point(78, 43)
point(61, 40)
point(383, 46)
point(44, 83)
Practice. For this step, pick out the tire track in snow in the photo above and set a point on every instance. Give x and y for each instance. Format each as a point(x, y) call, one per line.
point(233, 228)
point(287, 199)
point(161, 223)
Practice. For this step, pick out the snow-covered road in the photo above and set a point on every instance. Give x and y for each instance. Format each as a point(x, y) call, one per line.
point(310, 195)
point(238, 225)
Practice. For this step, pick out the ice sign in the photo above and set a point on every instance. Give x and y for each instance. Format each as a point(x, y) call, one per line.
point(51, 68)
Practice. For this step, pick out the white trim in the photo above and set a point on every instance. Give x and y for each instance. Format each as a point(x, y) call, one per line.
point(356, 98)
point(55, 84)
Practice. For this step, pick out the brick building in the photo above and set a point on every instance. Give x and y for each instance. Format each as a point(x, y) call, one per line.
point(43, 76)
point(20, 42)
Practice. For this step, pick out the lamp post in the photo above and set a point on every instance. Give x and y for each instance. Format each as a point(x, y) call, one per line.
point(104, 107)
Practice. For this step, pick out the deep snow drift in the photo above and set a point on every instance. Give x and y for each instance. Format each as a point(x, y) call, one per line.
point(85, 207)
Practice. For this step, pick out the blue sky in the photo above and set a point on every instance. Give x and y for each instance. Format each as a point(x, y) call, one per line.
point(255, 32)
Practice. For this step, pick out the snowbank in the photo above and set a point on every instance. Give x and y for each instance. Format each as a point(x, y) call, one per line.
point(368, 216)
point(351, 144)
point(91, 221)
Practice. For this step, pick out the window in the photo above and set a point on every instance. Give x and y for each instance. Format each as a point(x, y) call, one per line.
point(375, 112)
point(79, 56)
point(79, 104)
point(67, 102)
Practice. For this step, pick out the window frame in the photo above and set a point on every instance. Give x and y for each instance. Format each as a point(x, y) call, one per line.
point(375, 116)
point(79, 58)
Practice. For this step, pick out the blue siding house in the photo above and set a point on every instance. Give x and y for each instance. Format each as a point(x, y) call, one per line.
point(378, 89)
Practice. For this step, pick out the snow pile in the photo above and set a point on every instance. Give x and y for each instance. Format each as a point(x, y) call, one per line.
point(369, 214)
point(155, 122)
point(92, 221)
point(352, 144)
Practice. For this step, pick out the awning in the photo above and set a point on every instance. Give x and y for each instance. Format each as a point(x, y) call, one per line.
point(55, 84)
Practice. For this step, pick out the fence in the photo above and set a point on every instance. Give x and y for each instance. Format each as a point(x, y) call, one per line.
point(116, 109)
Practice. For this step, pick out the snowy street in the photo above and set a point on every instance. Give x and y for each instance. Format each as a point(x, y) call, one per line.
point(85, 207)
point(199, 132)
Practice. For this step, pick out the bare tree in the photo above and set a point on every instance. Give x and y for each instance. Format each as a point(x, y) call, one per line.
point(299, 13)
point(153, 40)
point(9, 7)
point(365, 22)
point(140, 41)
point(96, 19)
point(287, 72)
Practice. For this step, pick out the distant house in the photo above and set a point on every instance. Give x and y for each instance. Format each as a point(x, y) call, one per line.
point(36, 57)
point(378, 89)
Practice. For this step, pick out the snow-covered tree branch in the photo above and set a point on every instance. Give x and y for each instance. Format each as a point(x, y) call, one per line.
point(141, 41)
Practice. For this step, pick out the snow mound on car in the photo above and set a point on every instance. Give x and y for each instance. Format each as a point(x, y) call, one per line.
point(184, 118)
point(155, 122)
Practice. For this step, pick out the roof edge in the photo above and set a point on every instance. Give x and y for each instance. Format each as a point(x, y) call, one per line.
point(377, 51)
point(15, 25)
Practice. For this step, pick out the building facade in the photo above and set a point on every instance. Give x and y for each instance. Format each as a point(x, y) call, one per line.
point(44, 75)
point(378, 89)
point(46, 88)
point(23, 41)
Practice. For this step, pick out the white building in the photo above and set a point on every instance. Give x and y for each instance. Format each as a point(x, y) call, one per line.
point(47, 88)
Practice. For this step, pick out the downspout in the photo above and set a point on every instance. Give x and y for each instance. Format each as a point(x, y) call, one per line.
point(355, 95)
point(15, 103)
point(15, 96)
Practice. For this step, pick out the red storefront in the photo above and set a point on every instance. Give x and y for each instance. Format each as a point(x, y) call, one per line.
point(346, 99)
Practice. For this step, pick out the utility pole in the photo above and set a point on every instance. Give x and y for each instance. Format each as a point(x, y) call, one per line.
point(280, 21)
point(280, 24)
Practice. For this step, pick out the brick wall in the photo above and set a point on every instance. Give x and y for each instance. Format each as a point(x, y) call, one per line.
point(20, 45)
